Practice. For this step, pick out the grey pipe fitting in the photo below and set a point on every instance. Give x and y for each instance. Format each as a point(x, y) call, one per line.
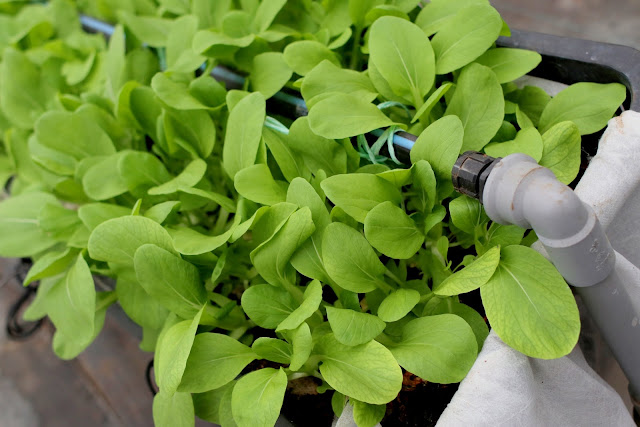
point(519, 191)
point(516, 190)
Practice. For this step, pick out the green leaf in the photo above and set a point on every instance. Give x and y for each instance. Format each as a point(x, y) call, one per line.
point(175, 283)
point(439, 349)
point(527, 141)
point(302, 56)
point(99, 181)
point(398, 304)
point(316, 151)
point(94, 214)
point(391, 231)
point(402, 54)
point(588, 105)
point(345, 115)
point(257, 184)
point(72, 134)
point(311, 301)
point(472, 276)
point(358, 193)
point(188, 241)
point(467, 213)
point(173, 410)
point(472, 317)
point(180, 55)
point(424, 183)
point(257, 398)
point(302, 193)
point(358, 10)
point(145, 109)
point(207, 405)
point(434, 218)
point(530, 306)
point(561, 151)
point(140, 170)
point(338, 402)
point(192, 130)
point(117, 240)
point(271, 219)
point(289, 162)
point(302, 344)
point(244, 131)
point(148, 29)
point(349, 259)
point(266, 13)
point(522, 119)
point(367, 415)
point(440, 144)
point(50, 159)
point(271, 258)
point(137, 303)
point(50, 264)
point(508, 63)
point(267, 305)
point(327, 78)
point(478, 102)
point(269, 73)
point(189, 177)
point(215, 360)
point(307, 260)
point(437, 13)
point(173, 351)
point(465, 37)
point(216, 44)
point(532, 101)
point(25, 92)
point(160, 212)
point(72, 304)
point(175, 94)
point(431, 102)
point(58, 222)
point(353, 328)
point(21, 233)
point(67, 347)
point(367, 372)
point(272, 349)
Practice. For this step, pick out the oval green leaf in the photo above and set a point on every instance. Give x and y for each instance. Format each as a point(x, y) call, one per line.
point(391, 231)
point(366, 372)
point(530, 306)
point(353, 328)
point(472, 276)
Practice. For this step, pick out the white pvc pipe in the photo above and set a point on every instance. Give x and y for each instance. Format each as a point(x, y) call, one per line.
point(519, 191)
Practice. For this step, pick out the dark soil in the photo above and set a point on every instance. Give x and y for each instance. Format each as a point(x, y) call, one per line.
point(418, 404)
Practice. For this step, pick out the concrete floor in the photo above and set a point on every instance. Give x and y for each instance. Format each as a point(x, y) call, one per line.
point(105, 386)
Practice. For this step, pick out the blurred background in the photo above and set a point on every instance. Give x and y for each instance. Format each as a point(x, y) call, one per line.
point(611, 21)
point(105, 387)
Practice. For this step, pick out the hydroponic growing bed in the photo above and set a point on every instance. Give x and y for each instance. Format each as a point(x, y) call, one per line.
point(261, 249)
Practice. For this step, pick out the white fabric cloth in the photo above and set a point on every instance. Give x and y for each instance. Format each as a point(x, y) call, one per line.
point(507, 388)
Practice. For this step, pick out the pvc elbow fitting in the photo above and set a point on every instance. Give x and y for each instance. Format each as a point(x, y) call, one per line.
point(519, 191)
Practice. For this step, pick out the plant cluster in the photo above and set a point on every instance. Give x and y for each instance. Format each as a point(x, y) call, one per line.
point(233, 235)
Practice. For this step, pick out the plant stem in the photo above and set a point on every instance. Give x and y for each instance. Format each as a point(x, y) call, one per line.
point(393, 277)
point(355, 50)
point(296, 375)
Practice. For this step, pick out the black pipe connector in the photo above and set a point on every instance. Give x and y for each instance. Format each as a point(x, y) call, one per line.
point(470, 173)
